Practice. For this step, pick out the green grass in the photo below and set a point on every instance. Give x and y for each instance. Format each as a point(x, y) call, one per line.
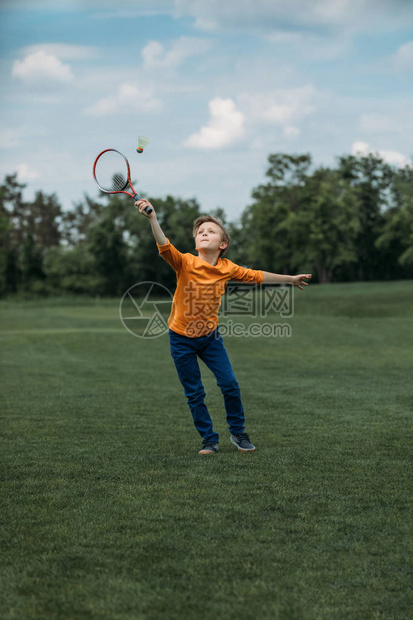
point(109, 512)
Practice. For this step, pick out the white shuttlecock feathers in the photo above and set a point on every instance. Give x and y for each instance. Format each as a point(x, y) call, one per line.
point(142, 142)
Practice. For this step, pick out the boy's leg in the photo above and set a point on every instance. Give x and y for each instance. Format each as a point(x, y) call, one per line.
point(215, 356)
point(186, 363)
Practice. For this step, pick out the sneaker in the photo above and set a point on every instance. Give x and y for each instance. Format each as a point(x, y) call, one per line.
point(242, 441)
point(209, 447)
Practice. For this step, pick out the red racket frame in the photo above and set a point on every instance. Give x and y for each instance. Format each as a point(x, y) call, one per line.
point(135, 195)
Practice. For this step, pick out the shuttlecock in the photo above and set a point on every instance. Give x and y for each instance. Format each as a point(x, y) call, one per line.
point(142, 142)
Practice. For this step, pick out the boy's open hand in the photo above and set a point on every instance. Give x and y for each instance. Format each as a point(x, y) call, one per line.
point(142, 204)
point(299, 280)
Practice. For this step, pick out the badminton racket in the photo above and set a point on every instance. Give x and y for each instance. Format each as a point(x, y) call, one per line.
point(111, 172)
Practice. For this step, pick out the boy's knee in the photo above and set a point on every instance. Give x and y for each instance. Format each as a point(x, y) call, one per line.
point(195, 397)
point(229, 385)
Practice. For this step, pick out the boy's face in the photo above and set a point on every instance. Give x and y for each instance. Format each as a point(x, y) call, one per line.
point(209, 238)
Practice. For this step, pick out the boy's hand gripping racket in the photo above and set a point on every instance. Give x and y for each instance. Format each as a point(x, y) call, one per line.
point(111, 172)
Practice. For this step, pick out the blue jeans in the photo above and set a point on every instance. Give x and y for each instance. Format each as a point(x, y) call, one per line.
point(210, 349)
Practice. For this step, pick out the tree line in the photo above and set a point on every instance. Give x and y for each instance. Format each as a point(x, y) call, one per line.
point(351, 222)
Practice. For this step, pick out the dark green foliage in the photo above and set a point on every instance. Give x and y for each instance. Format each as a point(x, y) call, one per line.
point(372, 178)
point(27, 231)
point(352, 222)
point(397, 232)
point(324, 230)
point(266, 231)
point(76, 223)
point(72, 270)
point(106, 244)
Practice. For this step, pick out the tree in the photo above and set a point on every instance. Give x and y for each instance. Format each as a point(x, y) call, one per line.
point(32, 227)
point(106, 244)
point(76, 223)
point(351, 222)
point(324, 230)
point(5, 227)
point(265, 231)
point(31, 262)
point(11, 206)
point(14, 206)
point(300, 221)
point(371, 177)
point(72, 270)
point(397, 233)
point(43, 219)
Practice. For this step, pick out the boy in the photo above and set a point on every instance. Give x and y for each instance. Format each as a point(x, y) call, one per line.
point(193, 323)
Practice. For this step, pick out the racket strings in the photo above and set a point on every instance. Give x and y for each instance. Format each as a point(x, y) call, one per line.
point(111, 172)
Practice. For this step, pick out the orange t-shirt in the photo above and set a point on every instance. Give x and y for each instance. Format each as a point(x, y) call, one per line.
point(199, 289)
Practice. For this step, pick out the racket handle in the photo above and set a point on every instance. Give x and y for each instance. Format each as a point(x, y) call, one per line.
point(147, 209)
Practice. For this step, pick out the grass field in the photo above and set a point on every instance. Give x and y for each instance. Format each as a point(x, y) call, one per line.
point(109, 512)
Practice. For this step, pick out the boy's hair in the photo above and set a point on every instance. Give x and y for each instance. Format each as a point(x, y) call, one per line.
point(202, 219)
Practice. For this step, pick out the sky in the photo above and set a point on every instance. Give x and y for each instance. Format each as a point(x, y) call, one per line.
point(217, 85)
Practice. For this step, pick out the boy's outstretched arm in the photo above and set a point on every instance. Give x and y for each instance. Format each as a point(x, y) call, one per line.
point(275, 278)
point(156, 229)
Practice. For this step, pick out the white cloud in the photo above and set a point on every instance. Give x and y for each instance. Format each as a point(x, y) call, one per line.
point(225, 126)
point(63, 51)
point(280, 107)
point(291, 132)
point(336, 11)
point(54, 169)
point(129, 9)
point(393, 158)
point(404, 57)
point(26, 173)
point(39, 5)
point(278, 36)
point(156, 56)
point(360, 148)
point(41, 67)
point(378, 123)
point(268, 15)
point(312, 46)
point(129, 98)
point(153, 54)
point(10, 138)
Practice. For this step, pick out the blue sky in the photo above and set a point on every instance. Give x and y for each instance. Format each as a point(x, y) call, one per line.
point(216, 85)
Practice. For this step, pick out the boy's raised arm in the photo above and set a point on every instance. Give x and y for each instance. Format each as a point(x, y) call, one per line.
point(156, 229)
point(276, 278)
